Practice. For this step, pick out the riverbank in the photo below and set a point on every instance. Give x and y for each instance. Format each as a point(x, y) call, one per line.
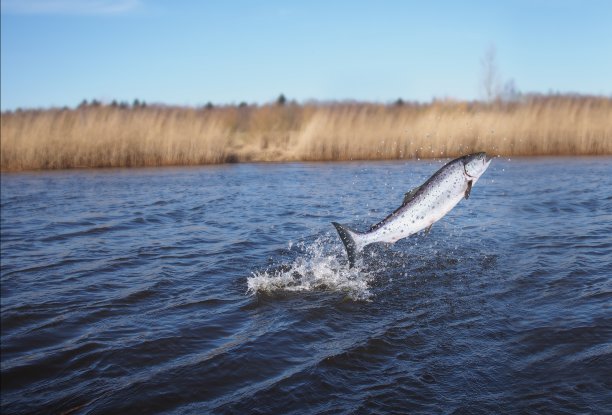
point(130, 136)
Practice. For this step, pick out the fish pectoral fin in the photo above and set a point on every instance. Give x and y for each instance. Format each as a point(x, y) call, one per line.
point(410, 195)
point(468, 190)
point(428, 229)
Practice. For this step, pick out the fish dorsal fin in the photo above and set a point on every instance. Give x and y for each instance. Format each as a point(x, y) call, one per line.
point(407, 199)
point(410, 195)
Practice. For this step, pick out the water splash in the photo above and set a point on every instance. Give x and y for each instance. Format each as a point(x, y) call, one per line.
point(317, 267)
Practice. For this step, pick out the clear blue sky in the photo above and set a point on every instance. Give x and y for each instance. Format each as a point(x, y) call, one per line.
point(58, 52)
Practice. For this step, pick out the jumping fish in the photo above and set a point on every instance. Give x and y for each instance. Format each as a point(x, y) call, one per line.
point(422, 206)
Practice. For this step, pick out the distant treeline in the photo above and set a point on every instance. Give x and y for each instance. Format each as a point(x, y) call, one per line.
point(118, 134)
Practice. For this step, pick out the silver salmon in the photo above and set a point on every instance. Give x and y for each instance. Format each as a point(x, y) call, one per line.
point(422, 206)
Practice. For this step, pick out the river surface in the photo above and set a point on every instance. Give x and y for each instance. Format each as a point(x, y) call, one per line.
point(226, 290)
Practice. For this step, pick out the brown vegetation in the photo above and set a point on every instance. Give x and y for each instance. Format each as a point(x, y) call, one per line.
point(116, 136)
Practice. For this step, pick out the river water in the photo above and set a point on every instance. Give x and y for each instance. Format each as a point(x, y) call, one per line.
point(226, 290)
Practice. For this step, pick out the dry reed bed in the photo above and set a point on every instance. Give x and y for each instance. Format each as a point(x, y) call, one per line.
point(105, 136)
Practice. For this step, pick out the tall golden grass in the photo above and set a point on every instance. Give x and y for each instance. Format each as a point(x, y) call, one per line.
point(109, 136)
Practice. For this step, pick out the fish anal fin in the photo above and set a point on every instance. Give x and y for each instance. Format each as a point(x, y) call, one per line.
point(468, 190)
point(428, 229)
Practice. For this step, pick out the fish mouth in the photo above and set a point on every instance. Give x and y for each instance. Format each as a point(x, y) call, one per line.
point(481, 157)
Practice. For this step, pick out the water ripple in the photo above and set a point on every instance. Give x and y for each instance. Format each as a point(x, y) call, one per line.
point(225, 290)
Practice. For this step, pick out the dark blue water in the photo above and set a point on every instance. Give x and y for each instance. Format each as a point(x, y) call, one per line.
point(225, 290)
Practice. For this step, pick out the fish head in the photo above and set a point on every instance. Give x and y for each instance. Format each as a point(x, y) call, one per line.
point(474, 165)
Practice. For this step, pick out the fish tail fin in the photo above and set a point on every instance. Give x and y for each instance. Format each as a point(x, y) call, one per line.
point(352, 242)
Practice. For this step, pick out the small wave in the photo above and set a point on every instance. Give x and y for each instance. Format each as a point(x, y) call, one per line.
point(91, 231)
point(318, 267)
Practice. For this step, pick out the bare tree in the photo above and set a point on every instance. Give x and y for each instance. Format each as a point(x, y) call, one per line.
point(490, 74)
point(510, 92)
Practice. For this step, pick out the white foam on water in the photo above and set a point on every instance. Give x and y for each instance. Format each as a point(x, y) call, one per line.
point(318, 267)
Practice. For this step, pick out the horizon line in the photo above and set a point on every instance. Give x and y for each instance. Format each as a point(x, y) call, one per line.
point(283, 100)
